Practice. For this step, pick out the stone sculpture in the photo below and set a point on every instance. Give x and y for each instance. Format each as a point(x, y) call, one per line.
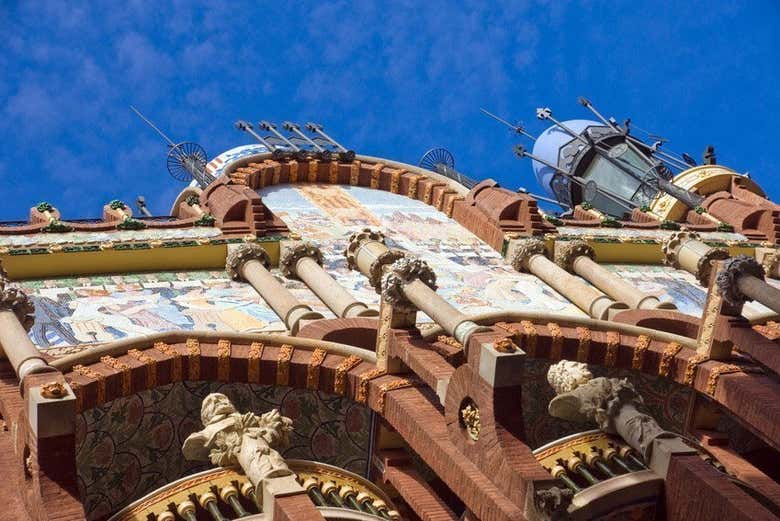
point(613, 404)
point(230, 438)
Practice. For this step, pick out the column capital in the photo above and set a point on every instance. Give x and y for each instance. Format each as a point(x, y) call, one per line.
point(376, 270)
point(15, 300)
point(288, 261)
point(697, 249)
point(242, 254)
point(402, 272)
point(733, 269)
point(525, 250)
point(570, 251)
point(356, 240)
point(671, 246)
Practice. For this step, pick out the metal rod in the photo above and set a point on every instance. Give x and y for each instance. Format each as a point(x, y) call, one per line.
point(265, 125)
point(517, 128)
point(546, 113)
point(522, 190)
point(140, 203)
point(317, 129)
point(292, 127)
point(585, 102)
point(166, 138)
point(247, 127)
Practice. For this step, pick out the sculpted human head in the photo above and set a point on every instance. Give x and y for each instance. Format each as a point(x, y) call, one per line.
point(215, 405)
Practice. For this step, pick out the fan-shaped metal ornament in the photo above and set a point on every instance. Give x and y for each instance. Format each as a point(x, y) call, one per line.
point(182, 155)
point(437, 156)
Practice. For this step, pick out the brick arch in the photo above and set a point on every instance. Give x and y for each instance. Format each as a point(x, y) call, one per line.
point(737, 384)
point(229, 360)
point(488, 210)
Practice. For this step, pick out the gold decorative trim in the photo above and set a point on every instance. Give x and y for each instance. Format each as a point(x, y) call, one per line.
point(253, 362)
point(412, 191)
point(123, 368)
point(504, 345)
point(283, 365)
point(613, 345)
point(354, 173)
point(151, 366)
point(340, 379)
point(333, 173)
point(712, 380)
point(313, 371)
point(450, 341)
point(529, 330)
point(313, 170)
point(451, 205)
point(395, 180)
point(667, 357)
point(167, 350)
point(223, 360)
point(375, 173)
point(365, 378)
point(584, 335)
point(78, 392)
point(93, 375)
point(193, 357)
point(293, 172)
point(391, 386)
point(427, 192)
point(690, 368)
point(556, 341)
point(641, 345)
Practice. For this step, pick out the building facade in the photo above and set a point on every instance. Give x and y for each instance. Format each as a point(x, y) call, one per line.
point(434, 350)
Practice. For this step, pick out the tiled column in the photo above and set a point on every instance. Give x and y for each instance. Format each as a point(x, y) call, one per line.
point(684, 250)
point(405, 283)
point(304, 261)
point(577, 256)
point(16, 318)
point(250, 262)
point(531, 256)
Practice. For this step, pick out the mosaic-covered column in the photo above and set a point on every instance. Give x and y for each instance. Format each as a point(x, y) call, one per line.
point(16, 318)
point(577, 257)
point(303, 261)
point(684, 250)
point(408, 282)
point(742, 279)
point(249, 262)
point(531, 256)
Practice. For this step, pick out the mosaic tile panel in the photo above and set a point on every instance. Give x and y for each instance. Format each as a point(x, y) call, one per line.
point(131, 446)
point(470, 274)
point(85, 310)
point(629, 234)
point(150, 234)
point(673, 285)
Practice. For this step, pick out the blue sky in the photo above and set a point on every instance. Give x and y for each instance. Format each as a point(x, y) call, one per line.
point(386, 79)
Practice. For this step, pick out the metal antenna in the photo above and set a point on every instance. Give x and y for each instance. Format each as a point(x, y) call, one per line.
point(585, 102)
point(344, 154)
point(441, 161)
point(324, 154)
point(185, 160)
point(546, 113)
point(522, 190)
point(517, 128)
point(245, 126)
point(270, 127)
point(166, 138)
point(140, 204)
